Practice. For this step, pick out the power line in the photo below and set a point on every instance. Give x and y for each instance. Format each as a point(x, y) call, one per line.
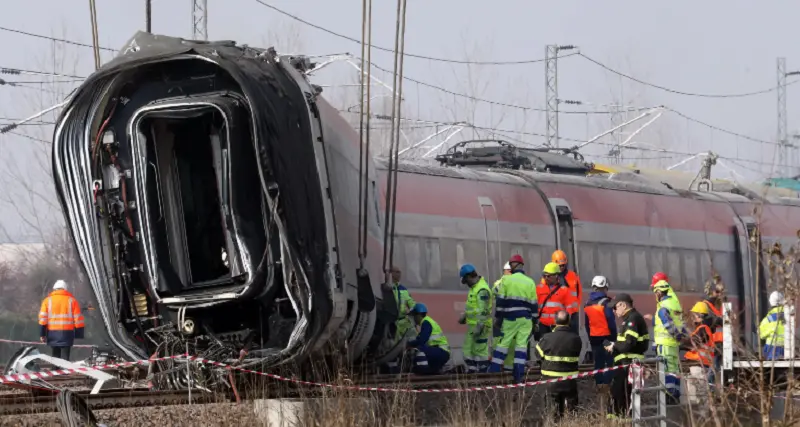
point(74, 43)
point(489, 101)
point(430, 58)
point(729, 132)
point(679, 92)
point(19, 71)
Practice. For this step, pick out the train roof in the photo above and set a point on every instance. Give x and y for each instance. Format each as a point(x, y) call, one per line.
point(651, 181)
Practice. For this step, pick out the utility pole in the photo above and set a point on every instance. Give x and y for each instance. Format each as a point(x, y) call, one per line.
point(95, 36)
point(787, 154)
point(551, 91)
point(199, 20)
point(148, 24)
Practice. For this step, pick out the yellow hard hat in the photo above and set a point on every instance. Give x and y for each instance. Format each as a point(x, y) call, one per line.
point(700, 308)
point(661, 285)
point(551, 268)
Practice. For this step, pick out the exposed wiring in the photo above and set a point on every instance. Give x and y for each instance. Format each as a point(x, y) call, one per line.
point(679, 92)
point(412, 55)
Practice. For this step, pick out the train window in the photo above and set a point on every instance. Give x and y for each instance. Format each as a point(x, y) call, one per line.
point(475, 253)
point(690, 269)
point(605, 264)
point(674, 270)
point(723, 266)
point(534, 257)
point(460, 258)
point(705, 267)
point(641, 274)
point(656, 261)
point(623, 266)
point(449, 258)
point(433, 261)
point(413, 273)
point(586, 262)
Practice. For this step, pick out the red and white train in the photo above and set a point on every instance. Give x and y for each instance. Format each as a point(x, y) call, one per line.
point(213, 197)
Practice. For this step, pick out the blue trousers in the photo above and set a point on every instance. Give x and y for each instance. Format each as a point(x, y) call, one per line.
point(430, 360)
point(602, 359)
point(773, 352)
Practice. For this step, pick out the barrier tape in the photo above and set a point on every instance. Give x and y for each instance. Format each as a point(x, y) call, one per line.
point(59, 372)
point(41, 343)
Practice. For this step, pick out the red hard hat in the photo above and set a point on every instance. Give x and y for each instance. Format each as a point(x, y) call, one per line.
point(516, 258)
point(658, 277)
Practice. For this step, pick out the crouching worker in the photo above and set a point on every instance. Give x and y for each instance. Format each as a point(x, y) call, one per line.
point(433, 352)
point(560, 351)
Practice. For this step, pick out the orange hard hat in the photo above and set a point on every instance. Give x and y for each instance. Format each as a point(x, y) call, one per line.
point(559, 257)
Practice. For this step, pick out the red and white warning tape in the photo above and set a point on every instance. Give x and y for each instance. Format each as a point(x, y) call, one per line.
point(41, 343)
point(59, 372)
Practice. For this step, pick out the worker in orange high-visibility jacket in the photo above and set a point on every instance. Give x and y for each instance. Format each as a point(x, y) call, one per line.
point(567, 276)
point(60, 320)
point(601, 327)
point(553, 296)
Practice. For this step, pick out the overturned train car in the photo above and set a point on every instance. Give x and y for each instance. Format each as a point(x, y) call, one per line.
point(212, 195)
point(209, 194)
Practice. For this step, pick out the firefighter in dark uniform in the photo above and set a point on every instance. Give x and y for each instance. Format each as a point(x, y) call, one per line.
point(633, 340)
point(560, 351)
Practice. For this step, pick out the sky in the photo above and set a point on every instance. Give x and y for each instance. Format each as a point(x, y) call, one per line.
point(710, 47)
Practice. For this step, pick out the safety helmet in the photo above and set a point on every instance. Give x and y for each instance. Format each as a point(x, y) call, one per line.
point(60, 284)
point(507, 266)
point(559, 257)
point(419, 308)
point(659, 277)
point(700, 308)
point(466, 269)
point(516, 258)
point(551, 268)
point(776, 299)
point(661, 285)
point(599, 282)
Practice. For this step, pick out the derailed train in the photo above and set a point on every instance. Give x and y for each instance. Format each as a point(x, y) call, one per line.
point(212, 196)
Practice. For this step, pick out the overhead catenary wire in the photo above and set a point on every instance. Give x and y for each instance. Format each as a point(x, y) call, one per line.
point(21, 71)
point(384, 49)
point(680, 92)
point(56, 39)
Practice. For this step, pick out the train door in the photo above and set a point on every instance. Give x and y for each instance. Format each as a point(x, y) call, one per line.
point(565, 240)
point(752, 288)
point(491, 230)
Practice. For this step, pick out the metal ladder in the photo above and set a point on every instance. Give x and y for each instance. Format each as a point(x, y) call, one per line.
point(639, 388)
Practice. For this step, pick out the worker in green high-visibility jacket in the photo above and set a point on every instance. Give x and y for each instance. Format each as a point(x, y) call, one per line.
point(405, 304)
point(477, 317)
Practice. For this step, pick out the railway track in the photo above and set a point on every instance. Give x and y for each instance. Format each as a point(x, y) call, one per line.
point(109, 399)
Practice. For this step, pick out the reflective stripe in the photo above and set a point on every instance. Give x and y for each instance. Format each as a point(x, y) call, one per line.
point(519, 361)
point(560, 358)
point(559, 374)
point(60, 322)
point(619, 357)
point(554, 304)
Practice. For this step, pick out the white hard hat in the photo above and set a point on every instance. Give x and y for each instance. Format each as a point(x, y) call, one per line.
point(60, 284)
point(599, 282)
point(776, 299)
point(507, 266)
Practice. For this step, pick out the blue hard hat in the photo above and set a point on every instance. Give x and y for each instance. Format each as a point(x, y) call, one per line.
point(419, 308)
point(466, 269)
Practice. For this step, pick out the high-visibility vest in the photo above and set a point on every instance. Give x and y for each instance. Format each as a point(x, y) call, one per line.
point(598, 323)
point(60, 311)
point(478, 311)
point(437, 338)
point(716, 337)
point(516, 298)
point(704, 353)
point(574, 284)
point(771, 328)
point(675, 312)
point(403, 300)
point(561, 299)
